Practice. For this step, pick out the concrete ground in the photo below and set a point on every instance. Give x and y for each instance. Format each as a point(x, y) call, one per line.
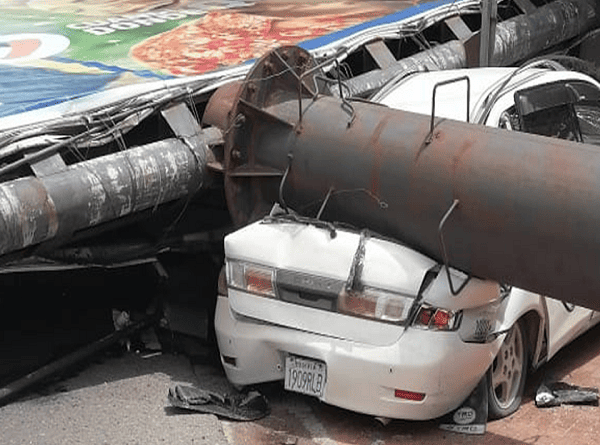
point(113, 401)
point(123, 400)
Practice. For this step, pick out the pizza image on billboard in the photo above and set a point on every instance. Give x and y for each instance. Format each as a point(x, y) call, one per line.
point(230, 37)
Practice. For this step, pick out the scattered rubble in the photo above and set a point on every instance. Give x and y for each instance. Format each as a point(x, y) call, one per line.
point(559, 393)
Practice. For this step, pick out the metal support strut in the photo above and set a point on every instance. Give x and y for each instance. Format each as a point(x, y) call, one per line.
point(454, 205)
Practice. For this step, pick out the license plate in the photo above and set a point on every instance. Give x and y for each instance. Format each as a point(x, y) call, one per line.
point(305, 376)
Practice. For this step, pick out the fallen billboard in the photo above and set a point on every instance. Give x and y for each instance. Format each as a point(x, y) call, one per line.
point(70, 49)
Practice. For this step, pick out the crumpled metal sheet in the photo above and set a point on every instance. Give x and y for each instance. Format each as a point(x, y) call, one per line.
point(559, 393)
point(450, 55)
point(250, 406)
point(517, 39)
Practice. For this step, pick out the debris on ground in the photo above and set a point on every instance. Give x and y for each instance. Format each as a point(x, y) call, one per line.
point(559, 393)
point(250, 406)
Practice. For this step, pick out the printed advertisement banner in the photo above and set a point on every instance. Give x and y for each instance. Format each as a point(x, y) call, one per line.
point(54, 51)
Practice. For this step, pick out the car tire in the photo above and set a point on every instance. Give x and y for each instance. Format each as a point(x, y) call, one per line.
point(507, 374)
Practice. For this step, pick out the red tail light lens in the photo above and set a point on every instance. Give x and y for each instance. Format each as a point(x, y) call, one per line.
point(424, 316)
point(430, 317)
point(259, 280)
point(377, 304)
point(409, 395)
point(441, 319)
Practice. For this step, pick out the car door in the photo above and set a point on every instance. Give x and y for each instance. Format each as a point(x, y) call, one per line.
point(565, 322)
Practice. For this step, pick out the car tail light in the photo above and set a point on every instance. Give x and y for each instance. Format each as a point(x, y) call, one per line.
point(376, 304)
point(259, 280)
point(430, 317)
point(409, 395)
point(222, 283)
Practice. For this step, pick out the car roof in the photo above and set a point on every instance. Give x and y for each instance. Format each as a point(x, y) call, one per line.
point(414, 93)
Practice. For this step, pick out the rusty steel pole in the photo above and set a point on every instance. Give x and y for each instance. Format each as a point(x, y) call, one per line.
point(528, 210)
point(516, 39)
point(86, 194)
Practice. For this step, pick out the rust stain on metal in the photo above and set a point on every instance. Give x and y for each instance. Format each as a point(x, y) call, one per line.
point(488, 169)
point(457, 160)
point(377, 151)
point(220, 105)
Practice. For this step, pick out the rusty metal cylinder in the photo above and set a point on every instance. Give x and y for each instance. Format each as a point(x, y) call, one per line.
point(33, 210)
point(529, 206)
point(528, 35)
point(516, 39)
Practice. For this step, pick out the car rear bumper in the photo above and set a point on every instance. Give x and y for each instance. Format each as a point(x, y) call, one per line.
point(360, 377)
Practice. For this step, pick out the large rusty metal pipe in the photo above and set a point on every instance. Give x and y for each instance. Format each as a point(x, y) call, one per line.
point(527, 35)
point(529, 206)
point(516, 39)
point(33, 210)
point(67, 199)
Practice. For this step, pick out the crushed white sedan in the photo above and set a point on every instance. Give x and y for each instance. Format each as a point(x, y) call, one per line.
point(368, 324)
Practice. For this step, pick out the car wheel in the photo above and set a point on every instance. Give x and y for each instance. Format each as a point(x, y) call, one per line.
point(506, 376)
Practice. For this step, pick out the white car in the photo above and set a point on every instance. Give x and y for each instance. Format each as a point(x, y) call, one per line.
point(365, 323)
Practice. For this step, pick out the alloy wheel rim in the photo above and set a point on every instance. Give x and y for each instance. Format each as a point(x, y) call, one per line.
point(507, 369)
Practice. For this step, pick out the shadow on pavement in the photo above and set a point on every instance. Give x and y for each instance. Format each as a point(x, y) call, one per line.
point(574, 356)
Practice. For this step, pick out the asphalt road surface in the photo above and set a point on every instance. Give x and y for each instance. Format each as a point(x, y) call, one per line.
point(122, 399)
point(118, 397)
